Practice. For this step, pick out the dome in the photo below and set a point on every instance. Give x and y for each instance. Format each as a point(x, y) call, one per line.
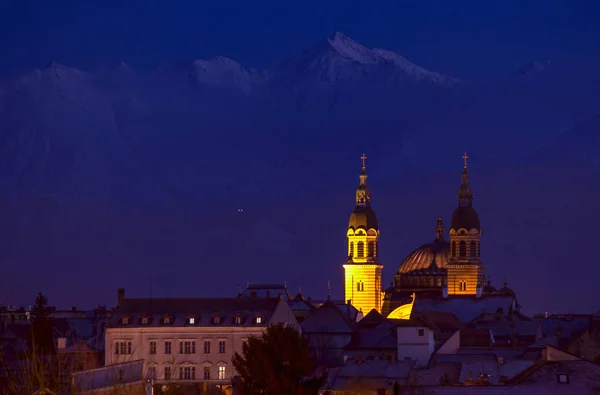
point(427, 257)
point(489, 289)
point(363, 217)
point(506, 291)
point(465, 217)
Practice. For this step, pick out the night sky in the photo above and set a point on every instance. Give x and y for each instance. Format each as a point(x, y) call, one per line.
point(287, 185)
point(466, 39)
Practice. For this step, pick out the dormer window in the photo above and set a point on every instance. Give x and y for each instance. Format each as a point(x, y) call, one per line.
point(167, 320)
point(216, 319)
point(238, 320)
point(562, 378)
point(259, 320)
point(144, 320)
point(125, 320)
point(192, 321)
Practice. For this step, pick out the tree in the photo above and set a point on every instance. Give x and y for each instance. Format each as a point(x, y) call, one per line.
point(277, 362)
point(42, 339)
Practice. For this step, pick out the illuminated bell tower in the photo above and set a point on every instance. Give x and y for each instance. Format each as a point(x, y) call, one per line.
point(362, 271)
point(465, 269)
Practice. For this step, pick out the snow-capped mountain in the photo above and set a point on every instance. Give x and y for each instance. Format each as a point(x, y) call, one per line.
point(160, 162)
point(222, 71)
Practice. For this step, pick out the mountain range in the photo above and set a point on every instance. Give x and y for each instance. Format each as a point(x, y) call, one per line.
point(205, 163)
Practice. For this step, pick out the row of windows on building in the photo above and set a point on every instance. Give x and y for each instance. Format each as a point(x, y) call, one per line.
point(473, 250)
point(188, 373)
point(420, 281)
point(360, 249)
point(185, 347)
point(169, 319)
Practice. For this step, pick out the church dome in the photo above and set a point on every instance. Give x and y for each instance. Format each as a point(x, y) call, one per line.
point(466, 218)
point(431, 256)
point(506, 291)
point(363, 217)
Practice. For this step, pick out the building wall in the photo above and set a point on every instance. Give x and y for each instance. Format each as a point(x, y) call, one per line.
point(471, 274)
point(415, 343)
point(362, 285)
point(141, 338)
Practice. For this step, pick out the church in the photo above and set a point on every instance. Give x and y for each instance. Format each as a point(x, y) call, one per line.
point(442, 275)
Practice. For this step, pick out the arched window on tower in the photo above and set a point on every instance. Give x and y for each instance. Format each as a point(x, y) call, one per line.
point(462, 248)
point(351, 249)
point(376, 249)
point(453, 248)
point(360, 249)
point(478, 249)
point(473, 249)
point(360, 286)
point(371, 249)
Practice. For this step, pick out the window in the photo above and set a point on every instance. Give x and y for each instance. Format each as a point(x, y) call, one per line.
point(421, 332)
point(187, 347)
point(351, 254)
point(125, 321)
point(562, 378)
point(371, 249)
point(462, 248)
point(360, 286)
point(145, 320)
point(122, 348)
point(462, 286)
point(216, 320)
point(151, 372)
point(222, 372)
point(222, 347)
point(167, 373)
point(207, 373)
point(187, 373)
point(361, 249)
point(472, 249)
point(191, 320)
point(166, 320)
point(238, 320)
point(453, 252)
point(207, 347)
point(259, 320)
point(153, 347)
point(168, 347)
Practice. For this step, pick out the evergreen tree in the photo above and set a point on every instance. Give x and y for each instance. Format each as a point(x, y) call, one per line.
point(278, 362)
point(41, 337)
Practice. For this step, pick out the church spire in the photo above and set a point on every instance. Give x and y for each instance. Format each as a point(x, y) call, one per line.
point(439, 230)
point(363, 195)
point(465, 194)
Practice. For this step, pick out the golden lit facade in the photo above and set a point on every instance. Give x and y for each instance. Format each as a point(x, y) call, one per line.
point(465, 269)
point(362, 271)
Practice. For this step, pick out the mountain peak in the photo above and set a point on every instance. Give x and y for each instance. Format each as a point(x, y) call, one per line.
point(351, 50)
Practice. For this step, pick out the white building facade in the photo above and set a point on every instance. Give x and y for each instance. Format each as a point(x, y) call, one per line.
point(190, 340)
point(415, 343)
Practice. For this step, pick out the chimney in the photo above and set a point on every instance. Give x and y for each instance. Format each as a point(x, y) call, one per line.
point(120, 296)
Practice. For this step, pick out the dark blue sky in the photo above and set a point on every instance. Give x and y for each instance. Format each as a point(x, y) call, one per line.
point(468, 39)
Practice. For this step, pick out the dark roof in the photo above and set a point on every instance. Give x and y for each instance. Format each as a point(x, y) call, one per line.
point(430, 256)
point(465, 218)
point(328, 318)
point(363, 217)
point(203, 309)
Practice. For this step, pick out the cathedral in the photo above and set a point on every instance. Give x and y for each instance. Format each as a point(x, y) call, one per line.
point(439, 271)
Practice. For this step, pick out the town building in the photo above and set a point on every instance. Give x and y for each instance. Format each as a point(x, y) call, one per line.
point(189, 339)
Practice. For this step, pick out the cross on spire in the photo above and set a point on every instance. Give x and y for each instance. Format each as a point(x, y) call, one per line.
point(465, 157)
point(363, 158)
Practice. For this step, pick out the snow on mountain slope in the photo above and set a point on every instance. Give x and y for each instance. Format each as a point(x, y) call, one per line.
point(581, 142)
point(222, 71)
